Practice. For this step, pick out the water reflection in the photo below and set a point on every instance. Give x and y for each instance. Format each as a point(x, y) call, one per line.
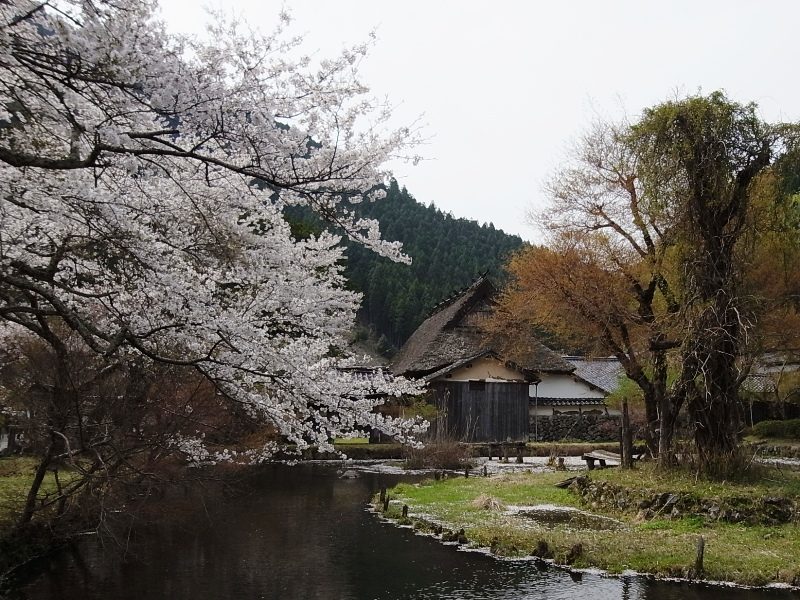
point(302, 533)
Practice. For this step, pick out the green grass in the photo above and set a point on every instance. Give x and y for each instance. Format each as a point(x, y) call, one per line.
point(16, 474)
point(761, 481)
point(753, 555)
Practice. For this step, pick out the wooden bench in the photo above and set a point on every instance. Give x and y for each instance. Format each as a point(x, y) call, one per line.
point(603, 456)
point(503, 450)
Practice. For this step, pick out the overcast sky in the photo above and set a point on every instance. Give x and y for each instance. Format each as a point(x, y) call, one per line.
point(503, 87)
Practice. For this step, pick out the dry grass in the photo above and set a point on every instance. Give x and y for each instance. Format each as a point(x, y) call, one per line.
point(441, 455)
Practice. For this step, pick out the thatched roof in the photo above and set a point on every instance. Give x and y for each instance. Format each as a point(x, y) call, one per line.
point(452, 334)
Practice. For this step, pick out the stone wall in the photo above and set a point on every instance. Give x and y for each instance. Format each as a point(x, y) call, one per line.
point(587, 428)
point(648, 504)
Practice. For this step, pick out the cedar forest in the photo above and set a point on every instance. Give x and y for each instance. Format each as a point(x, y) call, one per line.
point(447, 254)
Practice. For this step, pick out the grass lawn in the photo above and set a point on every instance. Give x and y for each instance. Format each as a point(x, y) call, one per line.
point(16, 474)
point(747, 554)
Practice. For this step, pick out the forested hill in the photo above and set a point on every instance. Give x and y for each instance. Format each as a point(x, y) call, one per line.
point(448, 253)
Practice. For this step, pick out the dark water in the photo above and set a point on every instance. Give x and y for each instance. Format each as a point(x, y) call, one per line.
point(302, 533)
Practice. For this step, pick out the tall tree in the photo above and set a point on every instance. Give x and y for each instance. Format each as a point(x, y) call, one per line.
point(645, 257)
point(708, 152)
point(602, 283)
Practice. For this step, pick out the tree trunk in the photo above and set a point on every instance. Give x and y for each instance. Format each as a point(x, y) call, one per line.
point(666, 414)
point(710, 371)
point(30, 502)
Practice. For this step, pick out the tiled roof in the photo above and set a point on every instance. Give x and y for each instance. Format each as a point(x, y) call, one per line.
point(567, 401)
point(376, 376)
point(759, 384)
point(603, 373)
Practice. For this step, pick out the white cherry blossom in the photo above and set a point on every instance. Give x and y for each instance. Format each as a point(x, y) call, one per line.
point(128, 209)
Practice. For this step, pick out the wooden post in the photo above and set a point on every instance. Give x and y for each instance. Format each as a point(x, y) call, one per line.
point(466, 472)
point(383, 495)
point(485, 471)
point(386, 504)
point(519, 454)
point(405, 510)
point(698, 560)
point(627, 441)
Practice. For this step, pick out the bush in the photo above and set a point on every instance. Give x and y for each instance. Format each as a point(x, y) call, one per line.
point(446, 455)
point(789, 429)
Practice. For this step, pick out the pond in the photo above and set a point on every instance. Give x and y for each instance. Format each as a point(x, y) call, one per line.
point(303, 532)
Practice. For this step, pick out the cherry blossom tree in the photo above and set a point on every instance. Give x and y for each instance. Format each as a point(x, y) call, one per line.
point(142, 182)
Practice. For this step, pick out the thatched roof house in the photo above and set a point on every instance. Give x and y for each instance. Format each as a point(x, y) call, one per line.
point(481, 388)
point(453, 336)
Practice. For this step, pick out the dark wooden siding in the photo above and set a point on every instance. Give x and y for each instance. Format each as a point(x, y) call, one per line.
point(496, 413)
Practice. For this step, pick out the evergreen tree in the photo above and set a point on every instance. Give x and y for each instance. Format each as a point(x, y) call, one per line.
point(447, 253)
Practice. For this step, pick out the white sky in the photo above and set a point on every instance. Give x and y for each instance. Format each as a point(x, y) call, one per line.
point(504, 87)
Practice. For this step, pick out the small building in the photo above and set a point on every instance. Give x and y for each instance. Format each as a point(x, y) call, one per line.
point(582, 391)
point(482, 390)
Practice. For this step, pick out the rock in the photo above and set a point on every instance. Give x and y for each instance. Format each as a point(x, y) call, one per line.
point(574, 553)
point(543, 550)
point(642, 516)
point(579, 483)
point(349, 474)
point(494, 545)
point(671, 501)
point(776, 510)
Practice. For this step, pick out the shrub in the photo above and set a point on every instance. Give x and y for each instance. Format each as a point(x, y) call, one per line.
point(789, 429)
point(448, 454)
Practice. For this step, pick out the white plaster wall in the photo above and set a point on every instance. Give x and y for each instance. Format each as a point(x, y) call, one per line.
point(488, 369)
point(563, 386)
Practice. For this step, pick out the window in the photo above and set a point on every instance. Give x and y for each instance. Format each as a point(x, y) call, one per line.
point(477, 386)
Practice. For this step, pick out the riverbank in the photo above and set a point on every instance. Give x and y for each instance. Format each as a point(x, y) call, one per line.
point(620, 521)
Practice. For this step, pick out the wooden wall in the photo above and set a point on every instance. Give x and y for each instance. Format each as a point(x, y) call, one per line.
point(496, 413)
